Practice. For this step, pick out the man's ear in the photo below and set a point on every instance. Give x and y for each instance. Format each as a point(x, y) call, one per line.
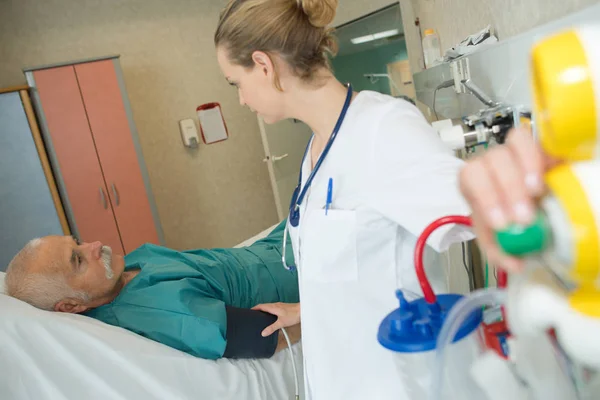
point(70, 306)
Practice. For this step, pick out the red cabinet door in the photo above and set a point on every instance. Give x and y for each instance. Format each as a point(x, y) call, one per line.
point(114, 143)
point(75, 151)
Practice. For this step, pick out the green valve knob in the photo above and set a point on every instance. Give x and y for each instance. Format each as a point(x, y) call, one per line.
point(520, 240)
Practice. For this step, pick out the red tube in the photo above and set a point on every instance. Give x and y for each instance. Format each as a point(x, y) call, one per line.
point(501, 281)
point(420, 248)
point(502, 278)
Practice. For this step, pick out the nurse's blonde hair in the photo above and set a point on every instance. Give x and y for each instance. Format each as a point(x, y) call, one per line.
point(296, 30)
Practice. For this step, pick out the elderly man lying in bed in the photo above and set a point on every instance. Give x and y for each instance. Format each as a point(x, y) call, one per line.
point(196, 301)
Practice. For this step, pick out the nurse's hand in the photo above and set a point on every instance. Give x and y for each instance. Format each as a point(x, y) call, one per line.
point(502, 187)
point(288, 314)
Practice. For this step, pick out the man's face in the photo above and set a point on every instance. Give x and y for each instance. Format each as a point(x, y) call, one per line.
point(87, 267)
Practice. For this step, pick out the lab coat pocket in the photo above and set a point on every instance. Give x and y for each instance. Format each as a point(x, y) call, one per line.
point(329, 246)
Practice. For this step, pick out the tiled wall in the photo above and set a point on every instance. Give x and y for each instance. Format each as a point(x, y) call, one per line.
point(456, 19)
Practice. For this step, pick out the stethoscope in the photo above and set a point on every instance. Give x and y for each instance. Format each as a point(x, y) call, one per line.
point(298, 195)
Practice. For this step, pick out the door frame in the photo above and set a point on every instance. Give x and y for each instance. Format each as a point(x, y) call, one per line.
point(269, 160)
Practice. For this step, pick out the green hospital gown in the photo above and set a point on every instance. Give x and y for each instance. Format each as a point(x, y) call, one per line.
point(178, 298)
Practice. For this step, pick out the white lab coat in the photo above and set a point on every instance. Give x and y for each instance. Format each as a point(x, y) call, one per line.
point(392, 176)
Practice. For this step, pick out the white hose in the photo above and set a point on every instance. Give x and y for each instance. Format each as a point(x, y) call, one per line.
point(287, 339)
point(457, 315)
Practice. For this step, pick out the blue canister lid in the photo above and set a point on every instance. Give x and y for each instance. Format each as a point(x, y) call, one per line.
point(416, 325)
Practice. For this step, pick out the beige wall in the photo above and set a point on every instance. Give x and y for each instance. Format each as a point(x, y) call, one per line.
point(214, 196)
point(217, 195)
point(456, 19)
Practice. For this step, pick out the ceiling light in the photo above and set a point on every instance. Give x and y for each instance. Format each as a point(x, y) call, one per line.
point(385, 34)
point(375, 36)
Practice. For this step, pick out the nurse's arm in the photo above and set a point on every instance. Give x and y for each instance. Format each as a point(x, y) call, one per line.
point(288, 314)
point(502, 187)
point(412, 177)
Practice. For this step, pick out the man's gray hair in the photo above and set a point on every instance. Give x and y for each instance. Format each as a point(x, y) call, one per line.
point(42, 290)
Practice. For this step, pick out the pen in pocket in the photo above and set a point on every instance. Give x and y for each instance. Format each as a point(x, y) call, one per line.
point(329, 195)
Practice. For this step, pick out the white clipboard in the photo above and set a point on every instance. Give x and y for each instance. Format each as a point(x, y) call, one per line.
point(212, 123)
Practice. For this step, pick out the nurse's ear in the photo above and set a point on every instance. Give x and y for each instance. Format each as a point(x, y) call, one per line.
point(263, 61)
point(267, 65)
point(71, 306)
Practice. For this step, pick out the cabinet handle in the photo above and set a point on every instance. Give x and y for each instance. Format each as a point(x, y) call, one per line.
point(116, 194)
point(103, 198)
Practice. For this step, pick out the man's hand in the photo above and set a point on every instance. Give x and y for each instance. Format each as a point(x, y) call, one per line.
point(287, 315)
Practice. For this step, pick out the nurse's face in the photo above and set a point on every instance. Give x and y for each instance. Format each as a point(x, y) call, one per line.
point(255, 85)
point(87, 267)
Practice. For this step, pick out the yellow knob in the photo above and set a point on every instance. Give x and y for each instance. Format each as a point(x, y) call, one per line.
point(586, 300)
point(570, 185)
point(563, 94)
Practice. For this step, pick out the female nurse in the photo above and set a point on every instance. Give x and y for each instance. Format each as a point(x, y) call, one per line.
point(374, 175)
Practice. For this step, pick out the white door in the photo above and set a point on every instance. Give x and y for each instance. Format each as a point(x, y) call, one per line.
point(284, 144)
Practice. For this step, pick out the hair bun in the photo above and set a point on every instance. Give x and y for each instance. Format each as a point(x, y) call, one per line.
point(320, 12)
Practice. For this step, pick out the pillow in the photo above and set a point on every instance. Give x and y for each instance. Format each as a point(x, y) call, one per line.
point(2, 274)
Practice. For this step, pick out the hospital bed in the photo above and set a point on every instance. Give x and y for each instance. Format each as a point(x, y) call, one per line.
point(46, 355)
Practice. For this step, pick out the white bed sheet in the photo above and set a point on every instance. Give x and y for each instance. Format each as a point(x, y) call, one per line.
point(259, 236)
point(45, 355)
